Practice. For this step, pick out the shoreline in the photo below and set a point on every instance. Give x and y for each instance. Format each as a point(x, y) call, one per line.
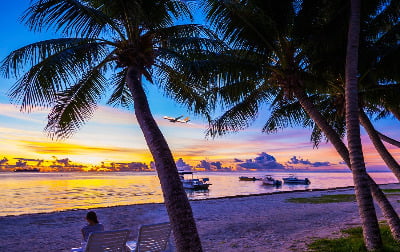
point(194, 200)
point(245, 223)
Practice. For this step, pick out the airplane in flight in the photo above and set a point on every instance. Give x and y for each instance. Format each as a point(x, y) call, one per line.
point(177, 119)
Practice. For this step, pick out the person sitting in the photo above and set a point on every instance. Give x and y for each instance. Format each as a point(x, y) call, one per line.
point(92, 226)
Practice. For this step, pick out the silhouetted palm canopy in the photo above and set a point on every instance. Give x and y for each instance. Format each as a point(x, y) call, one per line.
point(379, 50)
point(109, 47)
point(102, 37)
point(276, 41)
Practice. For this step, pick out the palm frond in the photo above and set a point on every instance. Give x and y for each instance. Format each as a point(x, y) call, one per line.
point(248, 23)
point(121, 95)
point(56, 65)
point(285, 114)
point(181, 87)
point(24, 57)
point(382, 24)
point(240, 116)
point(71, 17)
point(380, 96)
point(75, 105)
point(178, 9)
point(188, 36)
point(316, 136)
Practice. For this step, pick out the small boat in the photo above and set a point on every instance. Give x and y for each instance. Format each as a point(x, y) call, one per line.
point(268, 180)
point(193, 183)
point(27, 170)
point(294, 180)
point(244, 178)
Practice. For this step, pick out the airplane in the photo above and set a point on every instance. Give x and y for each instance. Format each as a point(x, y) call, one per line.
point(186, 120)
point(177, 119)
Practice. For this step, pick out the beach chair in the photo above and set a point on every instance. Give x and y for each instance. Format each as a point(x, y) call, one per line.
point(102, 241)
point(153, 237)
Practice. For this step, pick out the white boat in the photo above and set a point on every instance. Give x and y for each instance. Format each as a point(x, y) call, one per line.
point(269, 180)
point(193, 183)
point(294, 180)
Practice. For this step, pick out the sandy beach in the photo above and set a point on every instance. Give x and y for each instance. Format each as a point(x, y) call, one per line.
point(251, 223)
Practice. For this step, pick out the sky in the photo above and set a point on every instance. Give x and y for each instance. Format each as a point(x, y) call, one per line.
point(114, 135)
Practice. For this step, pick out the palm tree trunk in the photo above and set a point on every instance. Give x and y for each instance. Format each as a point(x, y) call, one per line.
point(379, 146)
point(388, 139)
point(329, 132)
point(387, 209)
point(392, 164)
point(175, 198)
point(365, 203)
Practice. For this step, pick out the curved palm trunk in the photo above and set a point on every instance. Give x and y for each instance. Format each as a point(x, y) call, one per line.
point(176, 201)
point(388, 139)
point(379, 146)
point(329, 132)
point(387, 209)
point(372, 237)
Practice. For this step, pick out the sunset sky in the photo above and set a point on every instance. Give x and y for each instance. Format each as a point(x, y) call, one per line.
point(113, 134)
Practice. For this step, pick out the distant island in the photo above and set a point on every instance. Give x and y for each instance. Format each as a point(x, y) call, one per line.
point(262, 162)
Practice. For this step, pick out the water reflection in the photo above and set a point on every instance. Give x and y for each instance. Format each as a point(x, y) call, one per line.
point(197, 194)
point(45, 192)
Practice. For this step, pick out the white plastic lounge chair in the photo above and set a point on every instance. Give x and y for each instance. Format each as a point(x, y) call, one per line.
point(152, 238)
point(110, 241)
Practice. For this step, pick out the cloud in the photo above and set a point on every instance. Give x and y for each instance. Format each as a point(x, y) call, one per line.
point(306, 163)
point(210, 165)
point(13, 111)
point(261, 162)
point(181, 165)
point(319, 164)
point(62, 148)
point(295, 160)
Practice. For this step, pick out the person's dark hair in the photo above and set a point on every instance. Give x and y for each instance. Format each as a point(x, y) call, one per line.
point(92, 216)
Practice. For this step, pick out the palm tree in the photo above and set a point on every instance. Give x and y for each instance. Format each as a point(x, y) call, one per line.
point(371, 233)
point(135, 40)
point(278, 64)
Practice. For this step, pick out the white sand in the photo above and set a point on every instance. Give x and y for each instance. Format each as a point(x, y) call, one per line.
point(253, 223)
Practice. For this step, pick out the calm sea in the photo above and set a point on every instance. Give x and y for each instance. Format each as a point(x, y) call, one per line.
point(23, 193)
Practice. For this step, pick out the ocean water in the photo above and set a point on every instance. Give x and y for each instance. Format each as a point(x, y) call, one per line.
point(23, 193)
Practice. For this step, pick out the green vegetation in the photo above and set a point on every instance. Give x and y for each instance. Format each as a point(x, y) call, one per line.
point(324, 199)
point(354, 242)
point(334, 198)
point(390, 190)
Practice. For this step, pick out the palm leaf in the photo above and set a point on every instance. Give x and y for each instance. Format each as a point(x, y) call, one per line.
point(56, 64)
point(121, 95)
point(70, 17)
point(285, 114)
point(181, 87)
point(241, 115)
point(75, 105)
point(32, 54)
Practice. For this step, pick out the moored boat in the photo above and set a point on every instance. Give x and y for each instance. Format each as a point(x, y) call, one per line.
point(244, 178)
point(193, 183)
point(269, 180)
point(27, 170)
point(294, 180)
